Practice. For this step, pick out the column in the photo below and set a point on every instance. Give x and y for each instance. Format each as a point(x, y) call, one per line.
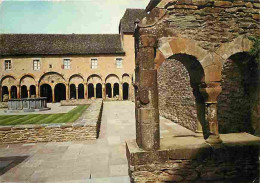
point(95, 91)
point(67, 92)
point(86, 94)
point(112, 90)
point(85, 91)
point(77, 93)
point(147, 117)
point(9, 93)
point(37, 91)
point(28, 93)
point(103, 90)
point(210, 92)
point(53, 94)
point(120, 91)
point(18, 91)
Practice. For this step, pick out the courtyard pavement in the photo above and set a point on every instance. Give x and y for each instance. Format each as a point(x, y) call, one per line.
point(96, 161)
point(55, 109)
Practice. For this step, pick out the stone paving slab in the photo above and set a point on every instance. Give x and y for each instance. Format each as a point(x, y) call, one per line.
point(94, 161)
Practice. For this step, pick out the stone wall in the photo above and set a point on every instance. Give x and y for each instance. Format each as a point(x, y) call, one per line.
point(86, 127)
point(185, 160)
point(3, 105)
point(76, 102)
point(176, 99)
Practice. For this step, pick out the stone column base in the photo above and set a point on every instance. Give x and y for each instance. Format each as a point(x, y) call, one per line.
point(192, 160)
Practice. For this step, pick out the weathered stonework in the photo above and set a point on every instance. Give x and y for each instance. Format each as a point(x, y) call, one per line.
point(3, 104)
point(76, 102)
point(86, 128)
point(176, 99)
point(189, 160)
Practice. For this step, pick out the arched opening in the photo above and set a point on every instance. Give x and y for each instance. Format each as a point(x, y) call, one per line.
point(108, 90)
point(72, 91)
point(32, 91)
point(81, 91)
point(99, 90)
point(238, 103)
point(125, 91)
point(14, 92)
point(91, 91)
point(46, 91)
point(24, 92)
point(60, 92)
point(5, 92)
point(116, 90)
point(178, 87)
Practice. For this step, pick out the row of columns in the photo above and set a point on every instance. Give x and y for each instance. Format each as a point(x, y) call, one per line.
point(147, 110)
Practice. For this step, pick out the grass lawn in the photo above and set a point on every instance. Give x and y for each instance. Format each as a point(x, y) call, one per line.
point(69, 117)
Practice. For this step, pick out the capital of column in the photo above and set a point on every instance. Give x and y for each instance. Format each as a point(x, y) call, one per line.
point(210, 92)
point(147, 41)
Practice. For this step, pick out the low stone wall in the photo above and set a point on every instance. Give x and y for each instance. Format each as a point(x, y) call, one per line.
point(75, 102)
point(3, 105)
point(191, 160)
point(87, 127)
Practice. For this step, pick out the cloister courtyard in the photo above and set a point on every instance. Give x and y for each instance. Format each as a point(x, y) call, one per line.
point(101, 160)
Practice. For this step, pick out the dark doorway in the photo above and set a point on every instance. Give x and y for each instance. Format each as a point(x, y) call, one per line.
point(60, 92)
point(90, 90)
point(72, 91)
point(116, 89)
point(108, 90)
point(33, 90)
point(46, 91)
point(4, 91)
point(13, 92)
point(24, 92)
point(99, 90)
point(125, 91)
point(81, 91)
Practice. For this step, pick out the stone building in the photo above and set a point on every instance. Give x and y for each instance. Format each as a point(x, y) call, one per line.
point(69, 66)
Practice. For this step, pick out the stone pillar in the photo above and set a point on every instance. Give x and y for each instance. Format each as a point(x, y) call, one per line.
point(120, 91)
point(77, 93)
point(18, 91)
point(95, 91)
point(103, 90)
point(53, 94)
point(112, 90)
point(29, 93)
point(147, 117)
point(210, 92)
point(67, 92)
point(9, 93)
point(85, 91)
point(37, 91)
point(86, 94)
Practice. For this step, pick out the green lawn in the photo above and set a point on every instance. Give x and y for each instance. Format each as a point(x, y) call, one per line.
point(69, 117)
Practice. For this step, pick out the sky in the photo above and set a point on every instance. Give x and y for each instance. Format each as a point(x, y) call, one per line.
point(64, 16)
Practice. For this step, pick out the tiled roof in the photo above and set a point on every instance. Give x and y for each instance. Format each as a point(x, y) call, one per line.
point(59, 44)
point(127, 22)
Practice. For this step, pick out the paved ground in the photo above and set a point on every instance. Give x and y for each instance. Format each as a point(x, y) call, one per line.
point(55, 109)
point(97, 161)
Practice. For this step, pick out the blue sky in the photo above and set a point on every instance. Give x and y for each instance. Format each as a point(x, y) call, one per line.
point(64, 17)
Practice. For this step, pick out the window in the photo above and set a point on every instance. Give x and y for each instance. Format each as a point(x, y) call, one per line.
point(36, 64)
point(66, 63)
point(94, 63)
point(8, 65)
point(119, 63)
point(50, 66)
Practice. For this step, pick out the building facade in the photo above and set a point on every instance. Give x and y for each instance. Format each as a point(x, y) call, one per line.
point(69, 66)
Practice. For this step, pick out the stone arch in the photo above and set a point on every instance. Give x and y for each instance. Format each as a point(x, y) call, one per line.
point(112, 79)
point(94, 79)
point(52, 78)
point(126, 78)
point(8, 81)
point(76, 79)
point(239, 102)
point(178, 45)
point(27, 80)
point(179, 79)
